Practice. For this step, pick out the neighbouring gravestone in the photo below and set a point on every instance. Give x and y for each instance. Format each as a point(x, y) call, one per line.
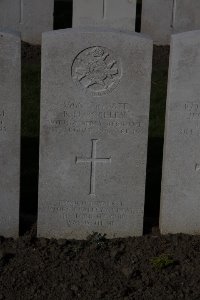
point(118, 14)
point(157, 20)
point(161, 18)
point(29, 17)
point(180, 205)
point(10, 99)
point(94, 128)
point(186, 15)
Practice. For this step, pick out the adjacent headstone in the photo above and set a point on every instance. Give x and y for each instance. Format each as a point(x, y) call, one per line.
point(180, 205)
point(94, 128)
point(119, 14)
point(10, 99)
point(186, 15)
point(157, 20)
point(10, 14)
point(161, 18)
point(29, 17)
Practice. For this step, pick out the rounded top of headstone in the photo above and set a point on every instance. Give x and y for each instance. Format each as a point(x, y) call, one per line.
point(98, 30)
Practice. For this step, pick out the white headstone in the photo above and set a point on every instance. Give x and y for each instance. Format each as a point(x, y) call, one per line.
point(186, 15)
point(161, 18)
point(157, 20)
point(180, 205)
point(119, 14)
point(29, 17)
point(94, 128)
point(10, 99)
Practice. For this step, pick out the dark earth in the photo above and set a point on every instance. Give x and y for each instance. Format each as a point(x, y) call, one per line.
point(149, 267)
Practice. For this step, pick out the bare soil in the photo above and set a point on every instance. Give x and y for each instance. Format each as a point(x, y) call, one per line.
point(122, 269)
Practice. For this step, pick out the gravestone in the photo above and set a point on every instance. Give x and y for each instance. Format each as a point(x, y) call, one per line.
point(29, 17)
point(161, 18)
point(186, 15)
point(94, 127)
point(10, 98)
point(10, 14)
point(157, 20)
point(118, 14)
point(180, 205)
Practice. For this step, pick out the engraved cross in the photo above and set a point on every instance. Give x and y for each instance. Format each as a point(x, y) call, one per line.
point(173, 18)
point(93, 160)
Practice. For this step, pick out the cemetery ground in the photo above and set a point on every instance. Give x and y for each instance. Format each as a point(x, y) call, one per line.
point(148, 267)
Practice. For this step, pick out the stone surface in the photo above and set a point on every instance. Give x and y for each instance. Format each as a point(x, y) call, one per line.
point(161, 18)
point(10, 99)
point(10, 18)
point(157, 20)
point(119, 14)
point(29, 17)
point(180, 205)
point(186, 15)
point(94, 127)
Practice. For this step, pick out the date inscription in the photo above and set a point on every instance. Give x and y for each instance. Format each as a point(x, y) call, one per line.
point(92, 213)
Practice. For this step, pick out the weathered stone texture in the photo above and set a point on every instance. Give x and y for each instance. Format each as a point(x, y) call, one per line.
point(119, 14)
point(180, 205)
point(157, 17)
point(94, 128)
point(30, 17)
point(10, 115)
point(161, 18)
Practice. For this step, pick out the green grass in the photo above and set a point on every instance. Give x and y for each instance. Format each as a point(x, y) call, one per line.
point(163, 261)
point(97, 238)
point(30, 100)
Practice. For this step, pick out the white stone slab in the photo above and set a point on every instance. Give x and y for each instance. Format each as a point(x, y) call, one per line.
point(29, 17)
point(10, 14)
point(157, 20)
point(161, 18)
point(119, 14)
point(10, 99)
point(180, 203)
point(94, 128)
point(37, 18)
point(186, 15)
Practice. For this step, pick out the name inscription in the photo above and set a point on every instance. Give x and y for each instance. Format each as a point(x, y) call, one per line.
point(191, 114)
point(75, 118)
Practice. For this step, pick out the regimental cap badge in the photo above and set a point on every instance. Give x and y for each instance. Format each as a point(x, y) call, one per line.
point(96, 70)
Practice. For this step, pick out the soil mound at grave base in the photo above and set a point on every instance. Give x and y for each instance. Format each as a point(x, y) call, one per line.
point(148, 267)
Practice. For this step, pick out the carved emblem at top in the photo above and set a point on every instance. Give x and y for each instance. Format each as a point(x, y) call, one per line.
point(96, 70)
